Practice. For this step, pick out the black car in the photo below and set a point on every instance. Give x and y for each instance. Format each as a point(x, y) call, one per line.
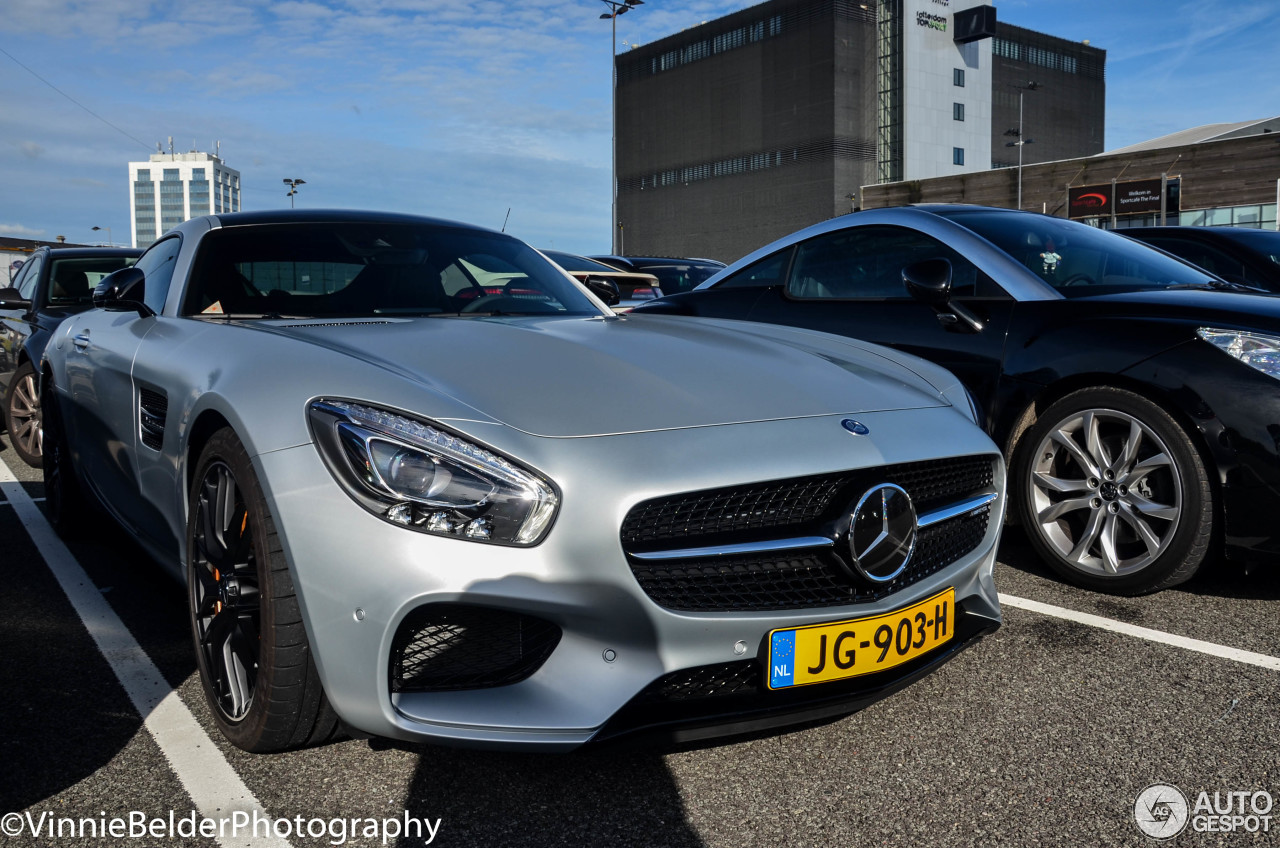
point(1137, 398)
point(674, 275)
point(52, 284)
point(1237, 254)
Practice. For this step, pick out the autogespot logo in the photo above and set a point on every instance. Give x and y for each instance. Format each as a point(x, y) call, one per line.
point(1161, 811)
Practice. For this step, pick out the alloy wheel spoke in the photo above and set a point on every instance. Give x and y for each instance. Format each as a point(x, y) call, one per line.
point(1129, 452)
point(1143, 529)
point(1062, 485)
point(239, 685)
point(1090, 535)
point(1061, 508)
point(1150, 508)
point(1107, 539)
point(218, 633)
point(1146, 467)
point(1063, 438)
point(1093, 441)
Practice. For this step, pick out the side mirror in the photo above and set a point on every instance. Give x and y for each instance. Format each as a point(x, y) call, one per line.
point(605, 289)
point(929, 281)
point(10, 299)
point(122, 291)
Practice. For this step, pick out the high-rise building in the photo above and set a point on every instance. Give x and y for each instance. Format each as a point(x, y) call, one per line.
point(171, 188)
point(745, 128)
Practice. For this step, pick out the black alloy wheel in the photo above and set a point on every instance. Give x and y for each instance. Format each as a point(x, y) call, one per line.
point(22, 413)
point(64, 502)
point(251, 648)
point(1113, 493)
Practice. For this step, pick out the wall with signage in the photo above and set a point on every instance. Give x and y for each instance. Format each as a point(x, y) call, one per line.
point(1134, 197)
point(931, 56)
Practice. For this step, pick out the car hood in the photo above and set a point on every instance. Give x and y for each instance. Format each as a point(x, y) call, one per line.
point(572, 377)
point(1235, 309)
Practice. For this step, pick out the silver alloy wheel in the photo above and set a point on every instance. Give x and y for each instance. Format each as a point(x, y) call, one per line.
point(24, 416)
point(1106, 493)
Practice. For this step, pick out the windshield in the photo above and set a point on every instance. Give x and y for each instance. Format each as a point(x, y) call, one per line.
point(364, 269)
point(680, 276)
point(1265, 243)
point(1076, 259)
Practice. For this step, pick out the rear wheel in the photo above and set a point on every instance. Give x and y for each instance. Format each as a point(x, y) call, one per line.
point(1113, 493)
point(22, 415)
point(251, 648)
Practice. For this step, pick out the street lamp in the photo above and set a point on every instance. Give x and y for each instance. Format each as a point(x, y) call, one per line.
point(110, 241)
point(1021, 142)
point(293, 189)
point(615, 9)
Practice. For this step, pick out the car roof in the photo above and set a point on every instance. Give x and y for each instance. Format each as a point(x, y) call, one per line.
point(95, 252)
point(327, 216)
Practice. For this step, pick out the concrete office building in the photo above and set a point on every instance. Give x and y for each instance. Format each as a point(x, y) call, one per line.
point(171, 188)
point(745, 128)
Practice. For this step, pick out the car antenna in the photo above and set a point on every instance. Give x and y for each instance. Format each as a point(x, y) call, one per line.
point(504, 220)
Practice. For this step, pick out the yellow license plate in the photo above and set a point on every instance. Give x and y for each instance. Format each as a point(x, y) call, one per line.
point(821, 652)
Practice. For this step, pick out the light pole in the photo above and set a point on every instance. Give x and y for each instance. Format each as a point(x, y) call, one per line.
point(293, 189)
point(110, 241)
point(1021, 142)
point(615, 9)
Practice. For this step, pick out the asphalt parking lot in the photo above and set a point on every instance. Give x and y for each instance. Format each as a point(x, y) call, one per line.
point(1044, 734)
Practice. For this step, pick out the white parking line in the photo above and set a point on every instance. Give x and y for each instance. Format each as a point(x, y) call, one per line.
point(215, 789)
point(1188, 644)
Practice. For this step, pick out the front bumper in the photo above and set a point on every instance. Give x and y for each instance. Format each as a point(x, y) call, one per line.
point(359, 578)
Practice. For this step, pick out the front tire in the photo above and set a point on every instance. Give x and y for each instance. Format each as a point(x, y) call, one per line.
point(1113, 493)
point(65, 505)
point(251, 647)
point(23, 417)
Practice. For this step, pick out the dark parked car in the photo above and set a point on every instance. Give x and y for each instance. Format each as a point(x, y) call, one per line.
point(1137, 398)
point(674, 275)
point(53, 283)
point(633, 287)
point(1237, 254)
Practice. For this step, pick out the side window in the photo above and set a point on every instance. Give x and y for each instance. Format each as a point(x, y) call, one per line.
point(762, 272)
point(867, 262)
point(1208, 258)
point(29, 275)
point(157, 263)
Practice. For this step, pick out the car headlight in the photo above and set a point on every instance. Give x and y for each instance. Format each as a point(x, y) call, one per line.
point(420, 476)
point(1253, 349)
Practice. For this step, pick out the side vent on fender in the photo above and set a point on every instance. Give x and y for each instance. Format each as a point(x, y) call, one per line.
point(153, 407)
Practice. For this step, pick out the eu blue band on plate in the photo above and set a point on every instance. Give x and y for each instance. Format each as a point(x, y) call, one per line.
point(783, 652)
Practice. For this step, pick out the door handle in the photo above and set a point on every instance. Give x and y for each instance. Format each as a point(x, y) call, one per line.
point(81, 341)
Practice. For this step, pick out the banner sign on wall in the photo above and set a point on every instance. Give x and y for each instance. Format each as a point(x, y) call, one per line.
point(1135, 197)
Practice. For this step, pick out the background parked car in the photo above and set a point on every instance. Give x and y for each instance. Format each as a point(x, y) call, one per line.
point(1236, 254)
point(633, 287)
point(1136, 397)
point(674, 275)
point(52, 284)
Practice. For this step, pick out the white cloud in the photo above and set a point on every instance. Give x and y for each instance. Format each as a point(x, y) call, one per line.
point(20, 231)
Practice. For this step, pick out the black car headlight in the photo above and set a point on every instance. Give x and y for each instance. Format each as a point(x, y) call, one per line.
point(421, 476)
point(1253, 349)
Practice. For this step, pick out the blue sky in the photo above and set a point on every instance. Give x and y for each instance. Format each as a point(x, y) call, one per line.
point(462, 109)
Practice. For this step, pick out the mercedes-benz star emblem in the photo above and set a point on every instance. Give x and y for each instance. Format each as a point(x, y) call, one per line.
point(857, 428)
point(882, 532)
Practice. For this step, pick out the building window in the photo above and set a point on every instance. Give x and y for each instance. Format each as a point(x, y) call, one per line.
point(957, 111)
point(957, 77)
point(957, 156)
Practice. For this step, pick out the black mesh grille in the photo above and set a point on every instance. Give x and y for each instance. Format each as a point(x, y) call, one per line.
point(446, 647)
point(805, 506)
point(785, 504)
point(797, 580)
point(707, 681)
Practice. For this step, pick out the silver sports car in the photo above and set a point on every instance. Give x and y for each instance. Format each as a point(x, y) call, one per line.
point(421, 484)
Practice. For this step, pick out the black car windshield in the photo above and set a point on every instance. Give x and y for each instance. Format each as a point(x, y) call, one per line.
point(1076, 259)
point(675, 277)
point(313, 270)
point(1261, 241)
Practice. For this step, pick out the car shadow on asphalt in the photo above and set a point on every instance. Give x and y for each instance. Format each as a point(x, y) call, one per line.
point(607, 796)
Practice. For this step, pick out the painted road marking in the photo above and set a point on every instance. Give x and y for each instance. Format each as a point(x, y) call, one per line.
point(215, 788)
point(1184, 642)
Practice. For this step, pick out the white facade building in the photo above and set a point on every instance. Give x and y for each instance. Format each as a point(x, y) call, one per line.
point(173, 187)
point(946, 93)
